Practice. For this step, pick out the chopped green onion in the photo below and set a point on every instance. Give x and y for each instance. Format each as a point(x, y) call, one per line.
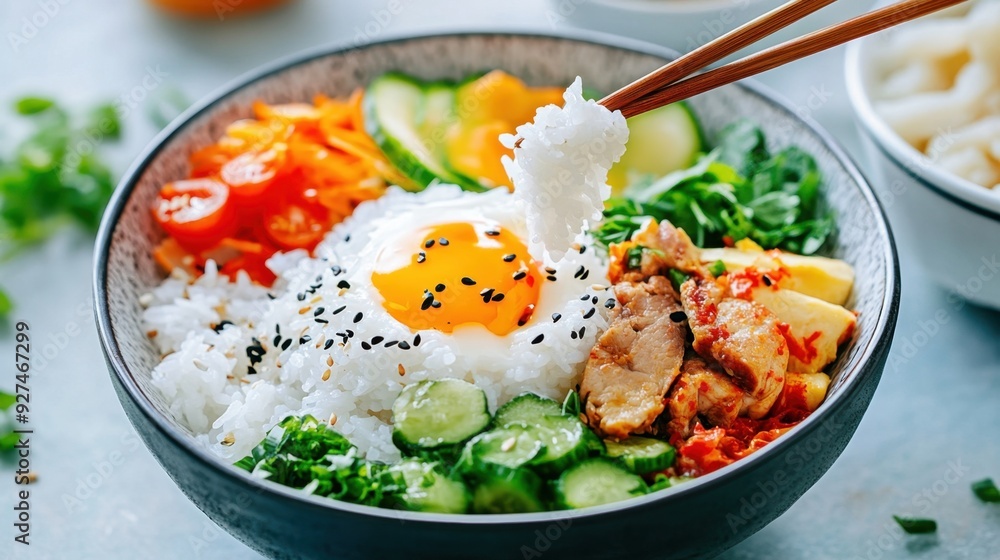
point(571, 404)
point(677, 278)
point(633, 258)
point(916, 526)
point(986, 490)
point(718, 268)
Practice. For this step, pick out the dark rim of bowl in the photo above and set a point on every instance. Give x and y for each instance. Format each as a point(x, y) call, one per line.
point(878, 344)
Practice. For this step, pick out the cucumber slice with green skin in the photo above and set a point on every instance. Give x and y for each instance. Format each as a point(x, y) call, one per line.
point(596, 482)
point(510, 447)
point(437, 115)
point(508, 491)
point(526, 408)
point(432, 415)
point(642, 455)
point(393, 105)
point(660, 141)
point(566, 442)
point(428, 488)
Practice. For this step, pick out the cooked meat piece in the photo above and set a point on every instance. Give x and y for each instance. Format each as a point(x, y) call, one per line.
point(670, 248)
point(702, 390)
point(742, 336)
point(635, 361)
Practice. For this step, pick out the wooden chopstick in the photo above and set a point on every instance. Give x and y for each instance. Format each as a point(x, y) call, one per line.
point(714, 51)
point(786, 52)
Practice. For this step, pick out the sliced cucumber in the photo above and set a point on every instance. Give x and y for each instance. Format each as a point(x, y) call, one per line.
point(428, 488)
point(394, 105)
point(660, 141)
point(438, 113)
point(432, 415)
point(566, 441)
point(595, 482)
point(510, 447)
point(508, 491)
point(526, 408)
point(642, 455)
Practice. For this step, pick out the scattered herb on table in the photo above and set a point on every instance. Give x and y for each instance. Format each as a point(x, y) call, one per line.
point(53, 176)
point(739, 190)
point(8, 439)
point(916, 526)
point(986, 490)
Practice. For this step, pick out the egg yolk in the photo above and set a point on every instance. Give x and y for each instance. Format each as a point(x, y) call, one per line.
point(454, 274)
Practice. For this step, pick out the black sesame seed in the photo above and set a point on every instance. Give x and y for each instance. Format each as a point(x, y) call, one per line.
point(301, 296)
point(336, 270)
point(443, 241)
point(416, 340)
point(610, 304)
point(584, 297)
point(339, 309)
point(377, 340)
point(492, 232)
point(594, 300)
point(579, 272)
point(305, 339)
point(497, 297)
point(277, 340)
point(347, 238)
point(421, 257)
point(271, 296)
point(766, 279)
point(366, 346)
point(572, 334)
point(277, 328)
point(404, 345)
point(391, 343)
point(286, 344)
point(319, 311)
point(429, 243)
point(319, 278)
point(328, 344)
point(439, 288)
point(582, 330)
point(550, 278)
point(550, 270)
point(350, 333)
point(221, 326)
point(538, 339)
point(590, 313)
point(436, 304)
point(556, 317)
point(322, 321)
point(358, 317)
point(678, 316)
point(585, 275)
point(509, 258)
point(251, 370)
point(520, 274)
point(583, 249)
point(487, 294)
point(344, 285)
point(468, 281)
point(428, 300)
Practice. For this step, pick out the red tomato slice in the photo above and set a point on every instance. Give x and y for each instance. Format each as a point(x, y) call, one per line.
point(297, 225)
point(250, 174)
point(253, 264)
point(196, 212)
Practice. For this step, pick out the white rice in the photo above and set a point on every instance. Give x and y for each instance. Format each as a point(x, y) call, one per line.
point(205, 375)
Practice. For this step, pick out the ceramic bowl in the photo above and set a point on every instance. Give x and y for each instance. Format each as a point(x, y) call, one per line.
point(955, 223)
point(692, 520)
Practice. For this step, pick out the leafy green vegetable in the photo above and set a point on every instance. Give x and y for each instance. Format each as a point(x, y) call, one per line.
point(31, 105)
point(677, 278)
point(739, 190)
point(986, 490)
point(8, 439)
point(571, 404)
point(916, 526)
point(6, 306)
point(718, 268)
point(305, 453)
point(7, 400)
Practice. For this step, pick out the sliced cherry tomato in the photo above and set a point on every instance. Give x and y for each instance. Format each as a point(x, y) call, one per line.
point(250, 174)
point(253, 264)
point(196, 212)
point(297, 224)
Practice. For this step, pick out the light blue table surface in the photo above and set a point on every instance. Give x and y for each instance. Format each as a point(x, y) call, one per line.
point(932, 428)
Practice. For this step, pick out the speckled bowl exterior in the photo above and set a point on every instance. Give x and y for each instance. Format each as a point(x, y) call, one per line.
point(694, 520)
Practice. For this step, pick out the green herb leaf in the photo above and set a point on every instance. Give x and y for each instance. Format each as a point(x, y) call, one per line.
point(103, 122)
point(986, 490)
point(8, 441)
point(7, 400)
point(916, 526)
point(32, 105)
point(571, 404)
point(677, 278)
point(6, 306)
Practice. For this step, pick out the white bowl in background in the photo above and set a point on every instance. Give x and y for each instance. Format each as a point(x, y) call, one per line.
point(954, 223)
point(684, 25)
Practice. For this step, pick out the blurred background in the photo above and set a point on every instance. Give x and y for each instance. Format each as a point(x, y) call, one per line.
point(139, 63)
